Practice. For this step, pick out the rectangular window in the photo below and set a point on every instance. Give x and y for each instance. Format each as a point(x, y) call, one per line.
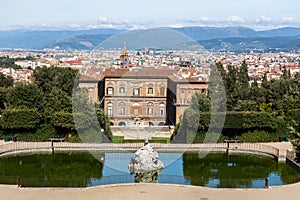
point(110, 91)
point(122, 111)
point(122, 90)
point(182, 101)
point(150, 111)
point(136, 91)
point(150, 90)
point(162, 111)
point(110, 111)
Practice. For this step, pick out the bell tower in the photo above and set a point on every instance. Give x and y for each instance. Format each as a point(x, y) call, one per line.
point(124, 56)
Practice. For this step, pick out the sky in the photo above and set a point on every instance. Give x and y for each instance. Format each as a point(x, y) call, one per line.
point(134, 14)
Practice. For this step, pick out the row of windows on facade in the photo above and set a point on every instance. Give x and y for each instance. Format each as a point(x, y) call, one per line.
point(150, 110)
point(150, 124)
point(136, 91)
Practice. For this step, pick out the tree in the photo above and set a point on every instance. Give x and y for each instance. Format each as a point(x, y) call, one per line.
point(6, 81)
point(47, 78)
point(20, 119)
point(296, 134)
point(200, 102)
point(56, 101)
point(25, 96)
point(232, 92)
point(90, 120)
point(243, 81)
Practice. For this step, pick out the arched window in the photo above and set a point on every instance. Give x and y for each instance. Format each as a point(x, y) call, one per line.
point(110, 91)
point(110, 109)
point(122, 90)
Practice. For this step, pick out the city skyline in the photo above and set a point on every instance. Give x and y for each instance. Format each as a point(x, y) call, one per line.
point(136, 14)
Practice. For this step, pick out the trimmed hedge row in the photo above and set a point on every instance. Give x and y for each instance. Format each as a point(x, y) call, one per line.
point(238, 120)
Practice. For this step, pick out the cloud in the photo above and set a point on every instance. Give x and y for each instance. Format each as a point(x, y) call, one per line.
point(102, 20)
point(235, 19)
point(262, 22)
point(212, 21)
point(288, 19)
point(263, 19)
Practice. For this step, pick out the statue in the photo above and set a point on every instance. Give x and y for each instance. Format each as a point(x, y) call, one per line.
point(145, 165)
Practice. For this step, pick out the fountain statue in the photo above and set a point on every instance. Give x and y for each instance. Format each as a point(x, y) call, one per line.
point(145, 165)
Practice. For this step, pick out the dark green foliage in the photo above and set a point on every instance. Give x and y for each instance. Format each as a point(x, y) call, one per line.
point(49, 78)
point(43, 109)
point(57, 100)
point(234, 120)
point(239, 120)
point(45, 132)
point(260, 120)
point(16, 119)
point(258, 136)
point(6, 62)
point(268, 109)
point(63, 120)
point(25, 96)
point(6, 81)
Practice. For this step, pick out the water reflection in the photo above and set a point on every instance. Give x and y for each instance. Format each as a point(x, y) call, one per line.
point(216, 170)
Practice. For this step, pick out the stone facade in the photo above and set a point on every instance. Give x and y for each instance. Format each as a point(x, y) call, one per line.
point(145, 96)
point(91, 85)
point(132, 101)
point(184, 93)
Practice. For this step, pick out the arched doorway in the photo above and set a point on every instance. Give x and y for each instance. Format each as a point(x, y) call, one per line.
point(151, 124)
point(122, 124)
point(161, 124)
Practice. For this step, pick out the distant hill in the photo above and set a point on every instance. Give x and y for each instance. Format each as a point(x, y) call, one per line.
point(206, 33)
point(280, 32)
point(38, 39)
point(252, 44)
point(227, 38)
point(80, 42)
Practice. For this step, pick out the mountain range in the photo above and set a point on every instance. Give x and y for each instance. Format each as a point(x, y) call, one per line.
point(210, 38)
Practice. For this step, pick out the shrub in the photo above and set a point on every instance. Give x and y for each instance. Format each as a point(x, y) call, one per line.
point(45, 132)
point(258, 136)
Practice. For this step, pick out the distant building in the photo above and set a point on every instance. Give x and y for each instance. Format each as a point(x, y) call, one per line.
point(146, 96)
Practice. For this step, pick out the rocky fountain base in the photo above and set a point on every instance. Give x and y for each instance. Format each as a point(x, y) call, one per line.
point(145, 165)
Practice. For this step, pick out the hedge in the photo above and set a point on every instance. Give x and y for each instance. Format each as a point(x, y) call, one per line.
point(20, 119)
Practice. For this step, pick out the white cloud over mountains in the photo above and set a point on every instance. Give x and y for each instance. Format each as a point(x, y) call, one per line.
point(261, 23)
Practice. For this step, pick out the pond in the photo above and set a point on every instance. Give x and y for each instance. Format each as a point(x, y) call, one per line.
point(82, 169)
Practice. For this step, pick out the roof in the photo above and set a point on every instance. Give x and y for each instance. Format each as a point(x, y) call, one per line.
point(146, 72)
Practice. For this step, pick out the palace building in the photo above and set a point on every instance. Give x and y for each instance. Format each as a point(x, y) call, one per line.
point(142, 101)
point(145, 96)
